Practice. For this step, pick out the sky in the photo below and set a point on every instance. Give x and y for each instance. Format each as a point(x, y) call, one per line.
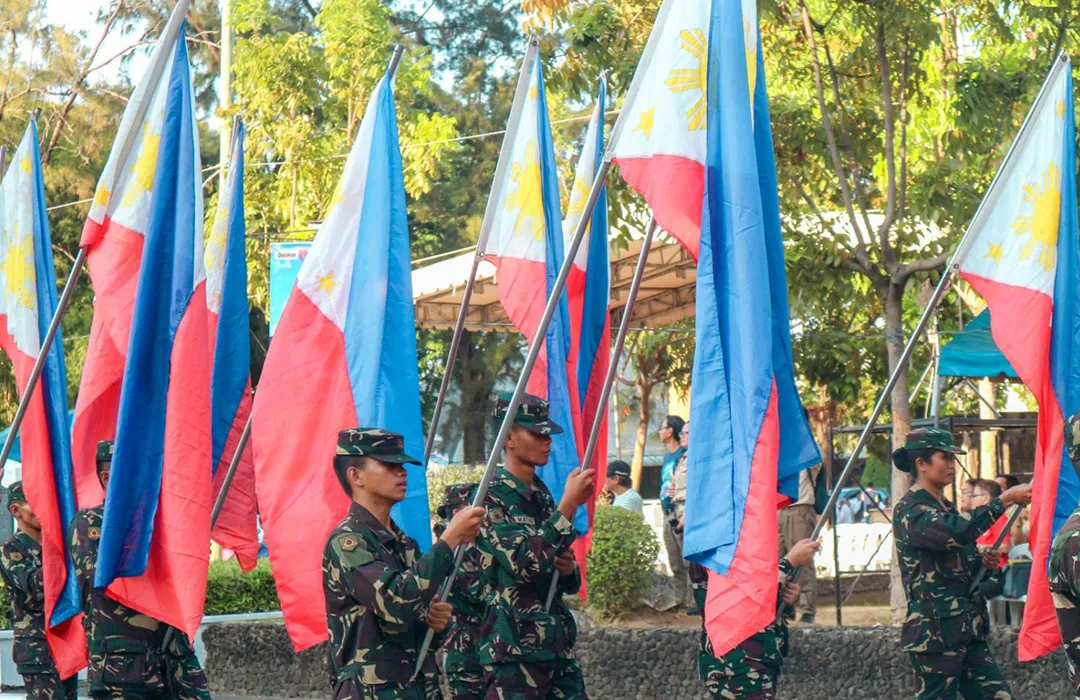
point(81, 16)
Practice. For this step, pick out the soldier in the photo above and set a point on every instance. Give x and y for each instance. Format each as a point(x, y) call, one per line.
point(528, 654)
point(946, 626)
point(751, 670)
point(381, 594)
point(464, 672)
point(132, 655)
point(1065, 568)
point(20, 565)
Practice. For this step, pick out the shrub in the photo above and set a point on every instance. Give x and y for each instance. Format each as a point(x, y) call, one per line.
point(438, 478)
point(229, 591)
point(620, 563)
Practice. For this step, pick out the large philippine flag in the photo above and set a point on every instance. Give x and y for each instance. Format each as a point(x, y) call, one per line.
point(113, 239)
point(526, 245)
point(1022, 255)
point(343, 356)
point(230, 346)
point(755, 434)
point(588, 289)
point(659, 140)
point(154, 548)
point(28, 302)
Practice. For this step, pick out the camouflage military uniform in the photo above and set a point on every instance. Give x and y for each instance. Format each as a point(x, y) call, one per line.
point(464, 672)
point(127, 658)
point(751, 670)
point(946, 627)
point(1065, 589)
point(20, 565)
point(528, 653)
point(378, 589)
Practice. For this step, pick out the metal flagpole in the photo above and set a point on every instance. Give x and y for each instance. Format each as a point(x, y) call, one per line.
point(519, 389)
point(234, 464)
point(613, 369)
point(481, 242)
point(997, 543)
point(939, 293)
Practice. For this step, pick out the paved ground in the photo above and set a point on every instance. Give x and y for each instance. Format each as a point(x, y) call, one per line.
point(22, 696)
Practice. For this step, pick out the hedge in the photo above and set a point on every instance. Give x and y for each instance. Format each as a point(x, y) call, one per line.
point(620, 562)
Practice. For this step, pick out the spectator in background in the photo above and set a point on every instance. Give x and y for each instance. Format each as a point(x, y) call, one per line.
point(844, 515)
point(677, 519)
point(983, 491)
point(796, 523)
point(618, 483)
point(1006, 481)
point(967, 490)
point(671, 432)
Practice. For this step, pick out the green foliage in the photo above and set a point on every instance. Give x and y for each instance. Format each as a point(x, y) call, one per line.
point(230, 591)
point(5, 607)
point(620, 563)
point(438, 478)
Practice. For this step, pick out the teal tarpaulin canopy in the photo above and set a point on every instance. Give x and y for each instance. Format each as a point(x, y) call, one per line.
point(973, 353)
point(16, 453)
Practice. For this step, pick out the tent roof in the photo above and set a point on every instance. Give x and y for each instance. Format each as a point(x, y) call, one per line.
point(973, 353)
point(666, 296)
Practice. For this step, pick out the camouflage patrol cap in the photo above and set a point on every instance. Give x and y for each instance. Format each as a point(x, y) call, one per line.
point(924, 439)
point(104, 451)
point(1072, 438)
point(457, 495)
point(533, 414)
point(374, 442)
point(15, 492)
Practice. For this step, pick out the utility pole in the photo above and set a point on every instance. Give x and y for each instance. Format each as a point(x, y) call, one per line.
point(225, 87)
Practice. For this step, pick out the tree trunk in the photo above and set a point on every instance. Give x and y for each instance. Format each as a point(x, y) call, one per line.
point(472, 384)
point(644, 395)
point(901, 423)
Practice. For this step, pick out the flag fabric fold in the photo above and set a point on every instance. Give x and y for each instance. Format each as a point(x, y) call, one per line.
point(28, 301)
point(344, 355)
point(742, 384)
point(526, 246)
point(154, 548)
point(1022, 255)
point(588, 291)
point(226, 297)
point(113, 239)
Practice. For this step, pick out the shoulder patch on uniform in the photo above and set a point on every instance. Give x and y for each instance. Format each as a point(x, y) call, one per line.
point(495, 515)
point(93, 533)
point(351, 550)
point(15, 556)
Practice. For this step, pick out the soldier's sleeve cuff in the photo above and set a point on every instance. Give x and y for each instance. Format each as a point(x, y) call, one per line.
point(562, 526)
point(442, 556)
point(996, 507)
point(786, 570)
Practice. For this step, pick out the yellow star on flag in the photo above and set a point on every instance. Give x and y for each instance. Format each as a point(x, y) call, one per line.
point(533, 93)
point(327, 283)
point(27, 164)
point(101, 196)
point(646, 122)
point(995, 253)
point(1060, 109)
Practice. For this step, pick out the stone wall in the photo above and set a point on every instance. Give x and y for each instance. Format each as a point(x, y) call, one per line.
point(621, 663)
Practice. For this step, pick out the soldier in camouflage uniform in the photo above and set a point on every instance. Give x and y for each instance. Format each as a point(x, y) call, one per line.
point(1065, 568)
point(464, 672)
point(381, 594)
point(947, 623)
point(528, 653)
point(132, 655)
point(751, 670)
point(20, 565)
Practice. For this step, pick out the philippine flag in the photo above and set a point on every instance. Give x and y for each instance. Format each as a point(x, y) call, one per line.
point(28, 302)
point(230, 346)
point(587, 292)
point(755, 434)
point(525, 243)
point(113, 239)
point(343, 356)
point(154, 548)
point(1022, 255)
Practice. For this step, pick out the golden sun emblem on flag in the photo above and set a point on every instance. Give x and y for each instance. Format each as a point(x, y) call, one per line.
point(1042, 223)
point(219, 236)
point(751, 56)
point(578, 196)
point(528, 198)
point(145, 166)
point(18, 271)
point(690, 79)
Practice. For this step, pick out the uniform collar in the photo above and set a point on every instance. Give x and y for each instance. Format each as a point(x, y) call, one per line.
point(365, 518)
point(517, 485)
point(926, 497)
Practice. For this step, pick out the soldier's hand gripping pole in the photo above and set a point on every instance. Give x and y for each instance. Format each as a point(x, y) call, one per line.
point(613, 368)
point(1017, 509)
point(523, 380)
